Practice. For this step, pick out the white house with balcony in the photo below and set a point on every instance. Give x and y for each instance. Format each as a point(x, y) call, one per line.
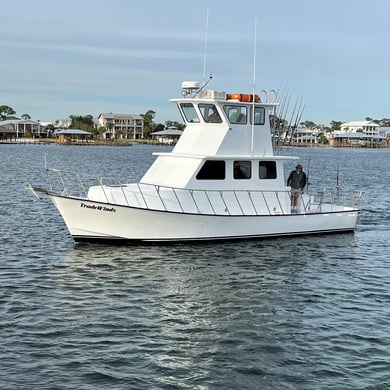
point(116, 126)
point(306, 135)
point(20, 128)
point(365, 127)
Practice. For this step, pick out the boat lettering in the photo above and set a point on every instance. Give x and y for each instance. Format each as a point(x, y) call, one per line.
point(99, 208)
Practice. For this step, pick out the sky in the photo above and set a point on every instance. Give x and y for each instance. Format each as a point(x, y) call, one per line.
point(86, 57)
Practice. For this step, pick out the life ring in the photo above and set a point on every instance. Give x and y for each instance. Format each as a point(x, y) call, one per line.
point(243, 97)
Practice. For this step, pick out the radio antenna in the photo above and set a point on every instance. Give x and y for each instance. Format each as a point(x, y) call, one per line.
point(254, 87)
point(205, 46)
point(254, 56)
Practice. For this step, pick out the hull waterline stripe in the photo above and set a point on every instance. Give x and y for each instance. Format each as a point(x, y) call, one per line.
point(119, 240)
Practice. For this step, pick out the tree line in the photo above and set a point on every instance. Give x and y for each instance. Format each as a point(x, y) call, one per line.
point(86, 122)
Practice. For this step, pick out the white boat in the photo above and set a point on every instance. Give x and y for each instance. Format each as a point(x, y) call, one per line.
point(221, 181)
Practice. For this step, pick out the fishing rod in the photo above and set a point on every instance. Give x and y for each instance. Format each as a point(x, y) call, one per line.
point(282, 95)
point(338, 187)
point(279, 111)
point(290, 124)
point(299, 115)
point(284, 112)
point(298, 120)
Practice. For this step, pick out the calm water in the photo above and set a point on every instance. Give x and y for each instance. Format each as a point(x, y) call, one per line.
point(291, 313)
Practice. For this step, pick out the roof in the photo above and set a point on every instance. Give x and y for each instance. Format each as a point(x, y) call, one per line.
point(111, 115)
point(357, 135)
point(168, 132)
point(72, 131)
point(17, 121)
point(359, 124)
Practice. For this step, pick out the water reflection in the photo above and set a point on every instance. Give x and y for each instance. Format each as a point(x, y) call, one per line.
point(204, 306)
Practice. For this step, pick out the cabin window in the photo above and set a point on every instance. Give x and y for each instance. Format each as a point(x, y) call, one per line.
point(189, 113)
point(210, 113)
point(212, 170)
point(236, 114)
point(259, 115)
point(267, 170)
point(242, 170)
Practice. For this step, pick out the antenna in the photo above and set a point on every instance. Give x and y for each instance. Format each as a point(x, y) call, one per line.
point(254, 56)
point(205, 46)
point(254, 86)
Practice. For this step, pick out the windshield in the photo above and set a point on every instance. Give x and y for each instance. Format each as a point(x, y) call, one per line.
point(189, 113)
point(209, 113)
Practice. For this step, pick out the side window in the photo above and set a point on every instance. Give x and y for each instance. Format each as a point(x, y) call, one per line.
point(212, 170)
point(209, 113)
point(259, 116)
point(267, 170)
point(189, 113)
point(242, 170)
point(236, 114)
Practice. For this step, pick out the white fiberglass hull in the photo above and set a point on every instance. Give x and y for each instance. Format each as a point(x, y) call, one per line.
point(94, 221)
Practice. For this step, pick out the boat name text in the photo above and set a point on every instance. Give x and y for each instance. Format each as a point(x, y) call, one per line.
point(99, 208)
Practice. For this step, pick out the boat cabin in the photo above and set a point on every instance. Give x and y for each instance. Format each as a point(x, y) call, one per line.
point(226, 144)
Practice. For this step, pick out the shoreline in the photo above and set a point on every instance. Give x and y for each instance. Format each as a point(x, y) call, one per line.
point(123, 143)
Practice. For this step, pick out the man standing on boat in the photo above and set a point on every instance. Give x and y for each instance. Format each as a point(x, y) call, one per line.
point(297, 182)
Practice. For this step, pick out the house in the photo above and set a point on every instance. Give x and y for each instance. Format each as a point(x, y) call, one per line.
point(305, 135)
point(359, 134)
point(357, 140)
point(21, 128)
point(365, 127)
point(67, 136)
point(168, 136)
point(116, 126)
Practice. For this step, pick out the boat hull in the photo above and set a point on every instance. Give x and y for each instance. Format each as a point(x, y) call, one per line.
point(92, 221)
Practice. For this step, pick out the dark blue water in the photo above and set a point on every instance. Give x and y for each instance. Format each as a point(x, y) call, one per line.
point(291, 313)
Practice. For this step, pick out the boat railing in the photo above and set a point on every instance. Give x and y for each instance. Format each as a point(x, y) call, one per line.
point(331, 198)
point(214, 202)
point(69, 183)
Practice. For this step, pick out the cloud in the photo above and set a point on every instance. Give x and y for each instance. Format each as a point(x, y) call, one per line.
point(131, 56)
